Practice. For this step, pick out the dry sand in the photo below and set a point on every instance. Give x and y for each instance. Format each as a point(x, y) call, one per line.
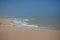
point(9, 32)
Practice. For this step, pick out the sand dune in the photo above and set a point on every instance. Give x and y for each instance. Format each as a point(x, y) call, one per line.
point(9, 32)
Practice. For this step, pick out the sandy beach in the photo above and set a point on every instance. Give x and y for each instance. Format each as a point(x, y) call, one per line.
point(10, 32)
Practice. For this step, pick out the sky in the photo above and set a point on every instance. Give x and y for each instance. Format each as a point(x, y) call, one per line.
point(30, 8)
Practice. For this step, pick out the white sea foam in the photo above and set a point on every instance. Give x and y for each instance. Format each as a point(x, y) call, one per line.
point(22, 22)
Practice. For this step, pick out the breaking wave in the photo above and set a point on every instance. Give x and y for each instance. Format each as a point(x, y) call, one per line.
point(22, 22)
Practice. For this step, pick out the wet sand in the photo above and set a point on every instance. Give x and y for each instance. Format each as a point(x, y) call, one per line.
point(9, 32)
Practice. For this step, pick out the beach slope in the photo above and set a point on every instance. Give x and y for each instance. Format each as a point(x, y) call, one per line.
point(10, 32)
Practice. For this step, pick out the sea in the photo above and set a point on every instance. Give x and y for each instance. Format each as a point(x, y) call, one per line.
point(47, 22)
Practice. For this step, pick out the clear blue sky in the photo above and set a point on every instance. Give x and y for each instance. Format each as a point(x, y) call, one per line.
point(30, 8)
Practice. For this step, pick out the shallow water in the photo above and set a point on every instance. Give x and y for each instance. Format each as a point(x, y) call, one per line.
point(51, 23)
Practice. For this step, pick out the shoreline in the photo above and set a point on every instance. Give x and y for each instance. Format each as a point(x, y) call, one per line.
point(10, 32)
point(7, 21)
point(23, 33)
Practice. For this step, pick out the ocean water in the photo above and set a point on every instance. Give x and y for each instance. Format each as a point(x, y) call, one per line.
point(50, 23)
